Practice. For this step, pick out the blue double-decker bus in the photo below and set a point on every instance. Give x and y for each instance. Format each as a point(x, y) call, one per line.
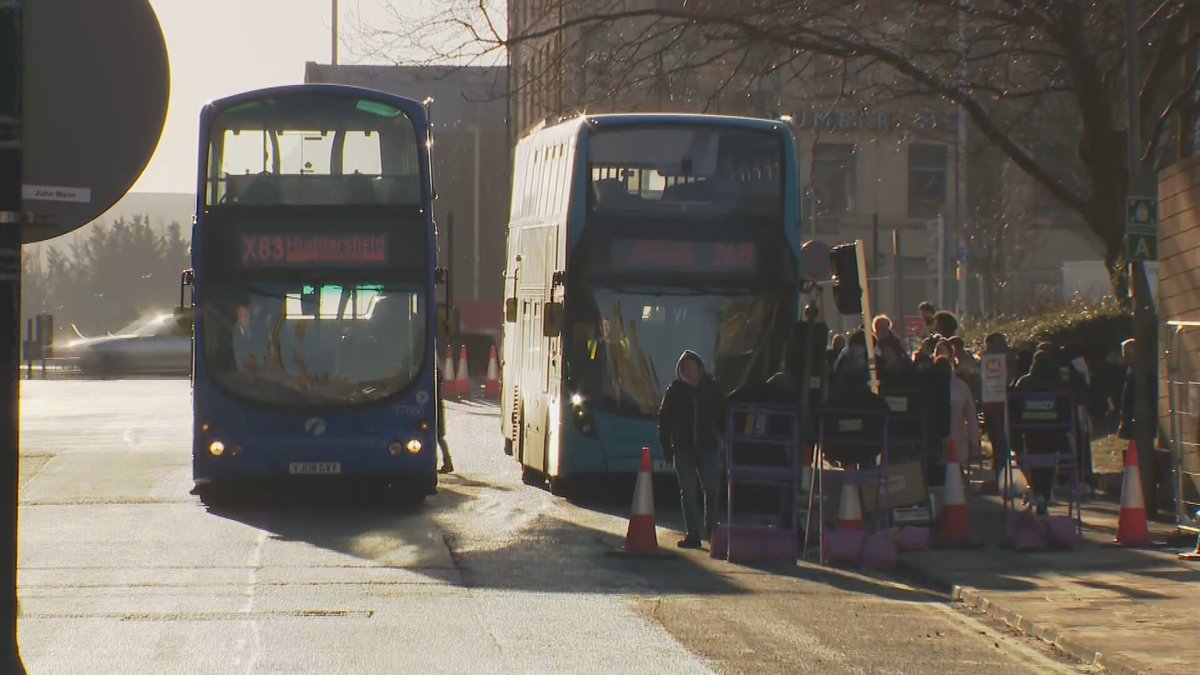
point(313, 258)
point(631, 238)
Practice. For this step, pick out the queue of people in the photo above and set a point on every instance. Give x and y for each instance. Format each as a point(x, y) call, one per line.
point(691, 420)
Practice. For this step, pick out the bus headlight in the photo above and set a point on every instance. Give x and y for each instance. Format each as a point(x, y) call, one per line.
point(414, 447)
point(216, 448)
point(582, 416)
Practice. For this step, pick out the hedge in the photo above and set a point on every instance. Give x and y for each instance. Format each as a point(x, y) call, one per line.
point(1100, 329)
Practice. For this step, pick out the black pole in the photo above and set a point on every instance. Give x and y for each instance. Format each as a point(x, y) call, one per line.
point(897, 292)
point(450, 278)
point(874, 264)
point(10, 318)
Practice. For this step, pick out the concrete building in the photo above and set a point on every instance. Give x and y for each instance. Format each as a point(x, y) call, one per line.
point(865, 171)
point(472, 169)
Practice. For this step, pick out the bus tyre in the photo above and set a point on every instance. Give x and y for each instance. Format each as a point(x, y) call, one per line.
point(531, 476)
point(560, 487)
point(211, 496)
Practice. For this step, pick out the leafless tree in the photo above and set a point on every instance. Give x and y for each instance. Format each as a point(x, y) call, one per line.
point(1041, 80)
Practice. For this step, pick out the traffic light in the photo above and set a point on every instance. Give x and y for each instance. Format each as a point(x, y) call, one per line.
point(847, 293)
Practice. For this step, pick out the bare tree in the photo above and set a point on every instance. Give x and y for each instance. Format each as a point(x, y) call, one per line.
point(1040, 80)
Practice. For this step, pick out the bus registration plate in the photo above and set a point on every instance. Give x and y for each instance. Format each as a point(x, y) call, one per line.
point(311, 468)
point(663, 466)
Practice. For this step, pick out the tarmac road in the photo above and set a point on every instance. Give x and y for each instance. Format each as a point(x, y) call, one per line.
point(122, 570)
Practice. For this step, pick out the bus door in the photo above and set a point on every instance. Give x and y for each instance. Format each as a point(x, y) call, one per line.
point(552, 329)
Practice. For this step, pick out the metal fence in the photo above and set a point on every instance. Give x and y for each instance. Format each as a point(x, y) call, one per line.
point(1183, 395)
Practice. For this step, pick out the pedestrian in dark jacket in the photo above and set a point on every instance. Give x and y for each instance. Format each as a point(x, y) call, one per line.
point(447, 462)
point(688, 419)
point(1043, 376)
point(1125, 429)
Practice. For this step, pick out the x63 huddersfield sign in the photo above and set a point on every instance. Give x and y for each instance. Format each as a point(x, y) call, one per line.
point(1141, 228)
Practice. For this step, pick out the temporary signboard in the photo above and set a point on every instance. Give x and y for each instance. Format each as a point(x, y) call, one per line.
point(995, 378)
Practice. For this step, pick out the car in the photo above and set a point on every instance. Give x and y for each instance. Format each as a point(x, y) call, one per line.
point(160, 344)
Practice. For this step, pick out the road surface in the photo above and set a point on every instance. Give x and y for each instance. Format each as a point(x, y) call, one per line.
point(122, 570)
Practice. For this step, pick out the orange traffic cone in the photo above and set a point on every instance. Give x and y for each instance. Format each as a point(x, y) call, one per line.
point(449, 385)
point(850, 508)
point(641, 536)
point(1132, 528)
point(462, 387)
point(955, 521)
point(491, 386)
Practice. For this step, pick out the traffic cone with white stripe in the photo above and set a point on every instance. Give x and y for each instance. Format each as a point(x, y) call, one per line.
point(462, 387)
point(641, 536)
point(850, 508)
point(954, 526)
point(491, 386)
point(1132, 527)
point(449, 384)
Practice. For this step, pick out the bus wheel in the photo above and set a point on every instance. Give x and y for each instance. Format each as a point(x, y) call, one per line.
point(530, 476)
point(508, 447)
point(560, 487)
point(212, 496)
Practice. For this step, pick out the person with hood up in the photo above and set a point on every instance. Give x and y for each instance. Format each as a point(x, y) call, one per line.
point(688, 420)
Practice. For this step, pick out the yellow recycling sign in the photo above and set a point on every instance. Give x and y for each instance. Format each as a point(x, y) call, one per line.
point(1141, 228)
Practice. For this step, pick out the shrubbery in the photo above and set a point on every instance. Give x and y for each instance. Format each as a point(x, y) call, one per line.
point(1099, 328)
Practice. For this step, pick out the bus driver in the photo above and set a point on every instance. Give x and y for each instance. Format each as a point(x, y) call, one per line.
point(249, 348)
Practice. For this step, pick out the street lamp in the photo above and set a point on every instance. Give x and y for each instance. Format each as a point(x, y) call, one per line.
point(333, 34)
point(475, 226)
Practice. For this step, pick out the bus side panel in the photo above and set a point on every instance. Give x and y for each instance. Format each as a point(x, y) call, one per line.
point(532, 294)
point(510, 362)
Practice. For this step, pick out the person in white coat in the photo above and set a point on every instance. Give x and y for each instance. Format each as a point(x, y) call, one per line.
point(964, 421)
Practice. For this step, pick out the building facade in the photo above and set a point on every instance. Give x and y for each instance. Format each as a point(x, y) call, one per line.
point(866, 172)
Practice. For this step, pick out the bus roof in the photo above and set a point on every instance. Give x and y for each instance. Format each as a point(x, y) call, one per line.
point(571, 126)
point(413, 108)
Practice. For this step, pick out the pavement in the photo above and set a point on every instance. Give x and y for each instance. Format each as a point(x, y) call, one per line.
point(1125, 610)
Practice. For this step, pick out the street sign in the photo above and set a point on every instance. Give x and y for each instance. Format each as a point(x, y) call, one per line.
point(1141, 214)
point(95, 98)
point(1141, 246)
point(995, 382)
point(1141, 228)
point(914, 325)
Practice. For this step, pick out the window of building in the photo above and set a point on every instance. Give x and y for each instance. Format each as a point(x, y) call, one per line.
point(834, 178)
point(926, 180)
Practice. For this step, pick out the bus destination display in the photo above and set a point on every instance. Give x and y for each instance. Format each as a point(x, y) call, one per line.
point(697, 256)
point(311, 250)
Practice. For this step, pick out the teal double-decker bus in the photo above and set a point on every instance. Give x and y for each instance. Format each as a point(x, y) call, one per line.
point(631, 238)
point(313, 274)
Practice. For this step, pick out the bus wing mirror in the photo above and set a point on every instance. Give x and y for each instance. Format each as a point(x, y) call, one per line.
point(552, 320)
point(439, 275)
point(447, 323)
point(185, 318)
point(510, 310)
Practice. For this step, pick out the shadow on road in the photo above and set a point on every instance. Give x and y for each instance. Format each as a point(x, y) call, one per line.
point(548, 554)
